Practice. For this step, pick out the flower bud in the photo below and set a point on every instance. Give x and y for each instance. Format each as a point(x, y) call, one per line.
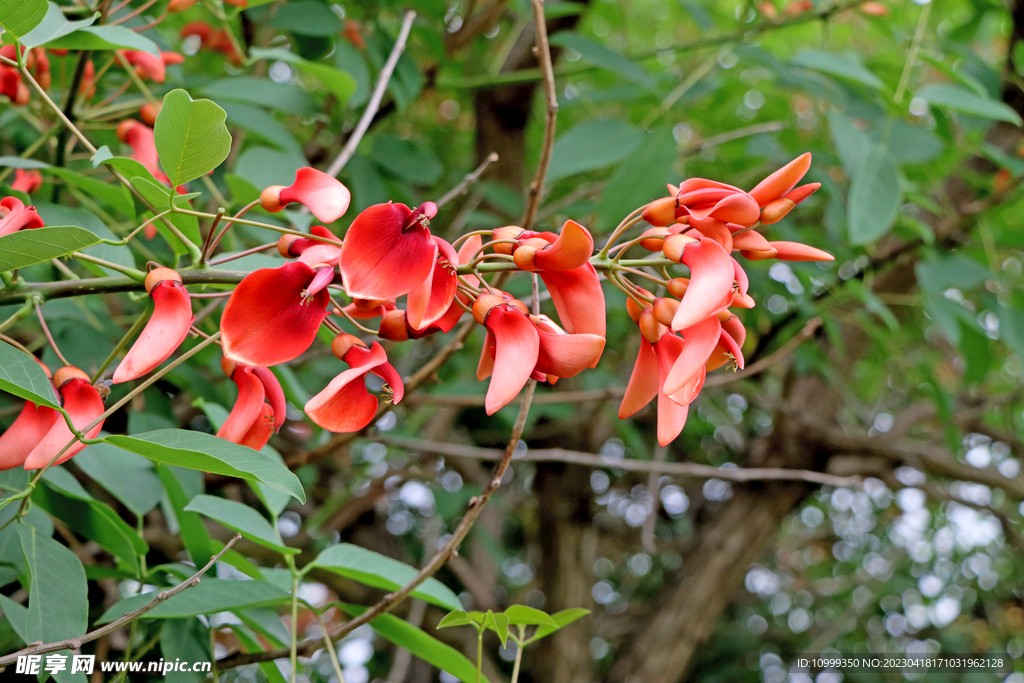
point(343, 342)
point(655, 238)
point(66, 374)
point(675, 245)
point(661, 213)
point(393, 326)
point(158, 275)
point(776, 210)
point(124, 127)
point(509, 232)
point(483, 305)
point(677, 286)
point(665, 310)
point(284, 245)
point(148, 113)
point(270, 199)
point(649, 326)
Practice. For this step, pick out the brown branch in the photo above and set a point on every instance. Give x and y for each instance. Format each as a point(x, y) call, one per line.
point(162, 596)
point(476, 505)
point(470, 178)
point(550, 115)
point(679, 469)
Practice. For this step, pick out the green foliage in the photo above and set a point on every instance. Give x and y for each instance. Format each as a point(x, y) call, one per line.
point(28, 247)
point(874, 197)
point(22, 376)
point(190, 136)
point(21, 16)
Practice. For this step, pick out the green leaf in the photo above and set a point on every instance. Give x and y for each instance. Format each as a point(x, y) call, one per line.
point(185, 640)
point(262, 124)
point(591, 145)
point(128, 477)
point(527, 616)
point(561, 619)
point(61, 214)
point(638, 179)
point(263, 92)
point(29, 247)
point(424, 646)
point(53, 26)
point(339, 83)
point(307, 18)
point(1011, 328)
point(602, 57)
point(190, 137)
point(874, 198)
point(851, 143)
point(374, 569)
point(956, 270)
point(58, 603)
point(455, 618)
point(407, 160)
point(252, 644)
point(105, 38)
point(207, 453)
point(17, 617)
point(63, 497)
point(241, 518)
point(499, 624)
point(159, 195)
point(21, 375)
point(193, 532)
point(848, 68)
point(208, 597)
point(968, 102)
point(21, 16)
point(116, 195)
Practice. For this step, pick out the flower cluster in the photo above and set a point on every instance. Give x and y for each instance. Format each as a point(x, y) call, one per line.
point(11, 84)
point(394, 270)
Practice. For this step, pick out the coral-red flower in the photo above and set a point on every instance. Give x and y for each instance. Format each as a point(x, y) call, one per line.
point(252, 420)
point(15, 216)
point(702, 198)
point(324, 195)
point(578, 298)
point(151, 67)
point(26, 431)
point(431, 299)
point(388, 251)
point(165, 330)
point(712, 273)
point(536, 251)
point(345, 405)
point(562, 354)
point(83, 403)
point(510, 350)
point(274, 313)
point(27, 181)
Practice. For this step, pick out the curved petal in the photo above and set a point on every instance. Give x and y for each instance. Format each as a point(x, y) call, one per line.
point(485, 366)
point(320, 253)
point(572, 249)
point(344, 405)
point(750, 241)
point(711, 279)
point(375, 359)
point(714, 229)
point(163, 334)
point(643, 383)
point(782, 181)
point(140, 137)
point(686, 395)
point(324, 195)
point(266, 321)
point(27, 181)
point(692, 184)
point(248, 406)
point(261, 429)
point(578, 298)
point(794, 251)
point(671, 415)
point(84, 404)
point(24, 433)
point(567, 355)
point(431, 299)
point(738, 208)
point(147, 65)
point(274, 394)
point(742, 281)
point(379, 260)
point(20, 217)
point(516, 345)
point(699, 342)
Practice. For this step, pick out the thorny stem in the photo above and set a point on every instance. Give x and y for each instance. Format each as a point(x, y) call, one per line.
point(49, 337)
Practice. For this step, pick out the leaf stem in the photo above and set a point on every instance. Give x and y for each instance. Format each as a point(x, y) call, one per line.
point(128, 336)
point(46, 331)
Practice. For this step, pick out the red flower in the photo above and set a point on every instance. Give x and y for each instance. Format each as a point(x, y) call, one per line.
point(83, 403)
point(166, 329)
point(140, 137)
point(345, 405)
point(712, 273)
point(388, 251)
point(699, 342)
point(251, 421)
point(578, 298)
point(151, 67)
point(274, 313)
point(537, 251)
point(26, 431)
point(510, 350)
point(324, 195)
point(15, 216)
point(27, 181)
point(428, 301)
point(10, 79)
point(562, 354)
point(729, 348)
point(701, 198)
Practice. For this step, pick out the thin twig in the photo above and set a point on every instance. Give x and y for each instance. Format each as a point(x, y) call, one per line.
point(680, 469)
point(550, 115)
point(378, 94)
point(49, 337)
point(470, 178)
point(162, 596)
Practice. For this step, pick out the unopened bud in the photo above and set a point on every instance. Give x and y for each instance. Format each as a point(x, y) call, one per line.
point(148, 113)
point(483, 305)
point(509, 232)
point(66, 374)
point(393, 326)
point(677, 286)
point(665, 310)
point(158, 275)
point(343, 342)
point(525, 257)
point(649, 326)
point(661, 213)
point(776, 210)
point(655, 238)
point(124, 127)
point(284, 245)
point(675, 245)
point(270, 198)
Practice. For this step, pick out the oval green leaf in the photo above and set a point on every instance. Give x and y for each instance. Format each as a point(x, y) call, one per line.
point(209, 596)
point(21, 375)
point(21, 16)
point(58, 602)
point(967, 102)
point(241, 518)
point(592, 145)
point(105, 38)
point(207, 453)
point(53, 26)
point(29, 247)
point(374, 569)
point(874, 197)
point(190, 137)
point(847, 68)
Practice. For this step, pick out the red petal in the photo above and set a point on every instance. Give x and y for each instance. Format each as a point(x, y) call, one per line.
point(714, 229)
point(643, 383)
point(485, 366)
point(147, 65)
point(711, 279)
point(83, 403)
point(21, 217)
point(430, 299)
point(571, 250)
point(274, 394)
point(699, 342)
point(578, 298)
point(671, 415)
point(750, 241)
point(516, 345)
point(324, 195)
point(782, 181)
point(379, 261)
point(22, 436)
point(737, 208)
point(248, 406)
point(794, 251)
point(261, 429)
point(266, 322)
point(140, 137)
point(344, 405)
point(693, 184)
point(165, 331)
point(567, 355)
point(375, 359)
point(803, 192)
point(320, 253)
